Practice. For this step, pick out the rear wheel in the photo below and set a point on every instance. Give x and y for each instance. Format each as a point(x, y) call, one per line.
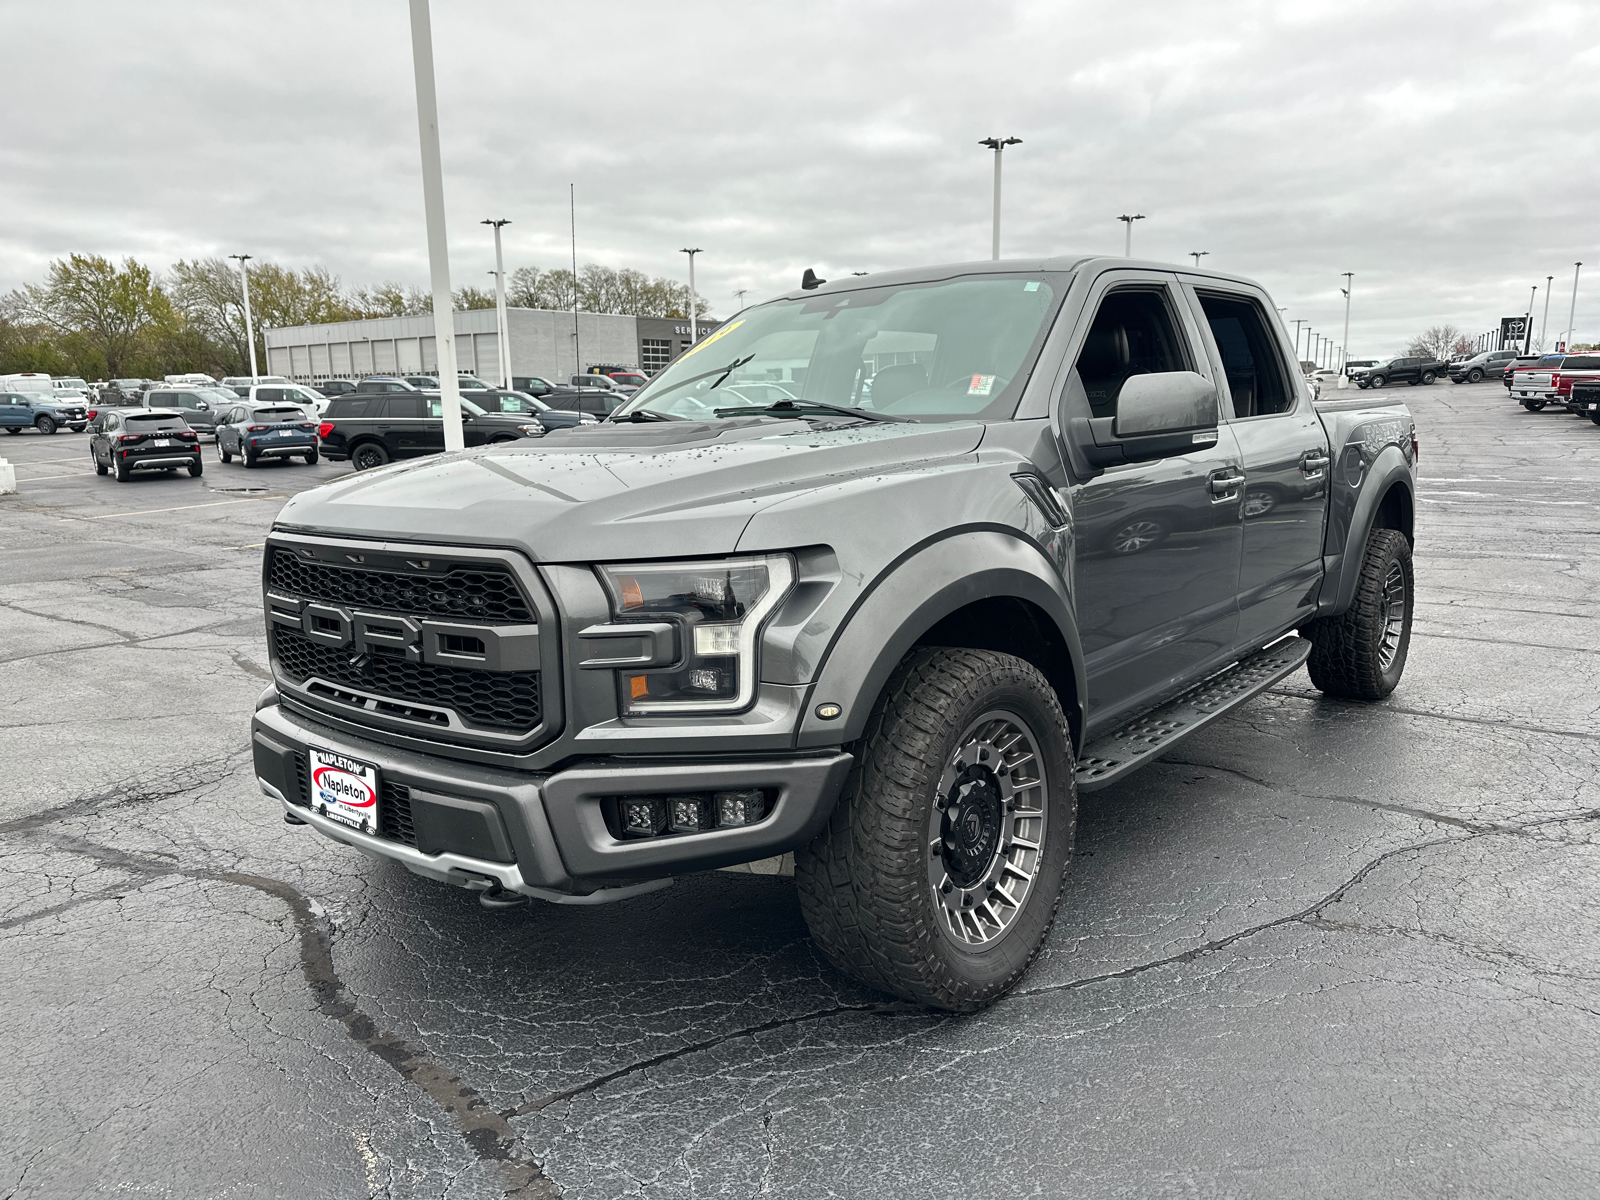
point(1361, 653)
point(1533, 405)
point(123, 471)
point(249, 458)
point(46, 425)
point(940, 869)
point(1595, 417)
point(1428, 377)
point(13, 429)
point(369, 455)
point(196, 468)
point(311, 458)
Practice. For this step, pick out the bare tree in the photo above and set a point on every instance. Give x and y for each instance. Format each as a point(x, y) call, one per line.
point(470, 297)
point(111, 311)
point(1436, 342)
point(389, 300)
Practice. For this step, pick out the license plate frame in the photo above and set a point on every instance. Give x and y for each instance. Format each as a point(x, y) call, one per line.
point(344, 789)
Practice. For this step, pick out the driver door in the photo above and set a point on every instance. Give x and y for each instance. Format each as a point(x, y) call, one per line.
point(1157, 543)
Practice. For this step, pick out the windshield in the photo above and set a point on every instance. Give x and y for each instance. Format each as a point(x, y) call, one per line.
point(955, 349)
point(38, 387)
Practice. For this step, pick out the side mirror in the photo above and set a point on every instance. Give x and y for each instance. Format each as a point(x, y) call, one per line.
point(1158, 416)
point(202, 405)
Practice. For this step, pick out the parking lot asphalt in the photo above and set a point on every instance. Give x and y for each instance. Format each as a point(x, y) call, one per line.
point(1321, 949)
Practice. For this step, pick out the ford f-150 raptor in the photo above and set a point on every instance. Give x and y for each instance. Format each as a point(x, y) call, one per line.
point(1015, 529)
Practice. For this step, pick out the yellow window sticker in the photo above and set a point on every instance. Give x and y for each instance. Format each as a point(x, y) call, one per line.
point(699, 346)
point(981, 385)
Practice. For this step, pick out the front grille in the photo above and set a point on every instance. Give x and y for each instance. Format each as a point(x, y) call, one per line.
point(394, 814)
point(480, 593)
point(503, 701)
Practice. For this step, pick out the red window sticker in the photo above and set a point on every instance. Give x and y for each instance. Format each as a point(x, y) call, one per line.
point(981, 385)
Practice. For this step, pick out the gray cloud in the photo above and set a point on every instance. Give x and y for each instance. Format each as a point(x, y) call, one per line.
point(1442, 152)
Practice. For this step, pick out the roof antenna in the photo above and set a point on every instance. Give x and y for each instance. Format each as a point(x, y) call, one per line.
point(809, 280)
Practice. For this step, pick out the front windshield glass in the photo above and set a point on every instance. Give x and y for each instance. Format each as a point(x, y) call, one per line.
point(956, 349)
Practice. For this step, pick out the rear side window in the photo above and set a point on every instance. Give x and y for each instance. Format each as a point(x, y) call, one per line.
point(403, 407)
point(347, 408)
point(1250, 359)
point(1581, 362)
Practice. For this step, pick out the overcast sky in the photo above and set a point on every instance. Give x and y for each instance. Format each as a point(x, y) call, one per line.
point(1444, 152)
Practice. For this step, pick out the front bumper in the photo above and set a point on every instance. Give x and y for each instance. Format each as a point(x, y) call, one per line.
point(545, 834)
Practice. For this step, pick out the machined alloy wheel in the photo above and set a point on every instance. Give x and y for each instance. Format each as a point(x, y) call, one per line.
point(1396, 610)
point(1376, 381)
point(986, 830)
point(1137, 535)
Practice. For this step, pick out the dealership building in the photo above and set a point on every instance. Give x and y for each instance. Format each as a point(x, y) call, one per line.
point(550, 344)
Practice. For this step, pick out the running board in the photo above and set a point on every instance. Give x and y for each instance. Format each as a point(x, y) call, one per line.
point(1159, 730)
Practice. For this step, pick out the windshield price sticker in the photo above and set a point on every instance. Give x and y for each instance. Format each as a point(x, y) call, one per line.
point(345, 790)
point(981, 385)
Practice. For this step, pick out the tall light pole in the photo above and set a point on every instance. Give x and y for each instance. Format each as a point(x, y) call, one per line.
point(1572, 313)
point(1197, 255)
point(577, 345)
point(1544, 322)
point(998, 145)
point(1349, 286)
point(740, 292)
point(501, 323)
point(694, 328)
point(1527, 322)
point(1297, 325)
point(1128, 220)
point(249, 328)
point(444, 321)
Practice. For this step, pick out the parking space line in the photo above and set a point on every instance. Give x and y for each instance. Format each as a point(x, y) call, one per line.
point(181, 507)
point(44, 478)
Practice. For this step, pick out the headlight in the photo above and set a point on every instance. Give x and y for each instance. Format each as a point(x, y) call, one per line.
point(533, 429)
point(588, 419)
point(717, 609)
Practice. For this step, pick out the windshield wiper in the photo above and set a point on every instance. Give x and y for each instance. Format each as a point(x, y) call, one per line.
point(643, 414)
point(723, 372)
point(786, 408)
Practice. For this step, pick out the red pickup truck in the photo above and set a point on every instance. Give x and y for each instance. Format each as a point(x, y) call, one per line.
point(1576, 368)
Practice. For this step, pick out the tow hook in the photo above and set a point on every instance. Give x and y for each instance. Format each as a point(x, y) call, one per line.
point(290, 819)
point(490, 893)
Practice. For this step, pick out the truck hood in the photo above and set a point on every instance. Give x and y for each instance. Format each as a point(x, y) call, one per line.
point(614, 491)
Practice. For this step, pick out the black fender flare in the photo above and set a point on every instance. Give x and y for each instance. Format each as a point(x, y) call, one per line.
point(912, 596)
point(1342, 571)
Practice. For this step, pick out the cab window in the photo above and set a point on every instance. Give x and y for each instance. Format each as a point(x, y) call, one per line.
point(1250, 359)
point(1134, 333)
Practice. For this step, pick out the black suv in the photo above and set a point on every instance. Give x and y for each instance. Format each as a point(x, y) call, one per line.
point(129, 440)
point(1401, 370)
point(334, 387)
point(497, 401)
point(373, 430)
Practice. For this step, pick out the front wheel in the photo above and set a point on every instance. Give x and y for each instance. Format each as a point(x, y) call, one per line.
point(45, 425)
point(1474, 376)
point(100, 468)
point(1361, 653)
point(1376, 381)
point(940, 870)
point(223, 453)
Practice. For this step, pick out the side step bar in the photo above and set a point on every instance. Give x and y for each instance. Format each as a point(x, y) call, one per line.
point(1107, 760)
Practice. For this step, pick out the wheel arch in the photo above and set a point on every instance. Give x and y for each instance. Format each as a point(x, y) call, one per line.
point(1386, 502)
point(979, 589)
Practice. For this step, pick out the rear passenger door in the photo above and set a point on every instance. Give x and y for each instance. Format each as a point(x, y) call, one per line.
point(1284, 450)
point(404, 426)
point(1156, 543)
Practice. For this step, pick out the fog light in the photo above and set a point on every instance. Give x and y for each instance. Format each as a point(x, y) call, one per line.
point(740, 808)
point(688, 814)
point(643, 816)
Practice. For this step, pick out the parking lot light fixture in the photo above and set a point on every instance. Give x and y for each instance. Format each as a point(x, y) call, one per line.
point(500, 305)
point(1544, 321)
point(1349, 286)
point(1197, 255)
point(694, 329)
point(1572, 313)
point(1527, 322)
point(998, 145)
point(444, 321)
point(1127, 244)
point(249, 331)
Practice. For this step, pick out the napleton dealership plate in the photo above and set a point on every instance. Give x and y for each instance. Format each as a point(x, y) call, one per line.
point(345, 789)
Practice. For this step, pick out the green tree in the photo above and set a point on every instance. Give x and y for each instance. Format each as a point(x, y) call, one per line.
point(389, 299)
point(471, 297)
point(108, 311)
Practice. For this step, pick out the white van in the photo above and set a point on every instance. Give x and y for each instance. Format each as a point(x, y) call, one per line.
point(31, 382)
point(197, 379)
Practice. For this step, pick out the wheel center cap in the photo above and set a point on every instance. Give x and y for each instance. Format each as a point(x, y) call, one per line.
point(971, 823)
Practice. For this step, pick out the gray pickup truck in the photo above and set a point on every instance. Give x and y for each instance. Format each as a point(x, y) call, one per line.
point(1015, 530)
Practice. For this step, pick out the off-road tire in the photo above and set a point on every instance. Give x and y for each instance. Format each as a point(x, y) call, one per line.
point(196, 469)
point(369, 456)
point(46, 425)
point(864, 881)
point(1348, 651)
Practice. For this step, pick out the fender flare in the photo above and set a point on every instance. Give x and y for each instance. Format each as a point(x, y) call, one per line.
point(909, 598)
point(1342, 571)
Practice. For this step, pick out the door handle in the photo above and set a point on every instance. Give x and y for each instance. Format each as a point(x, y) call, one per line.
point(1224, 482)
point(1313, 463)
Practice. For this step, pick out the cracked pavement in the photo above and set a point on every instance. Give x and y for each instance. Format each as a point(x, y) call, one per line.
point(1320, 949)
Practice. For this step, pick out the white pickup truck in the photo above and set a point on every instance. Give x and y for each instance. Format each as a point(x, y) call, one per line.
point(1534, 386)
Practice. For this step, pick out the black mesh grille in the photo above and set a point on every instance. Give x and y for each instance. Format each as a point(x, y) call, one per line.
point(394, 814)
point(302, 795)
point(480, 593)
point(502, 701)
